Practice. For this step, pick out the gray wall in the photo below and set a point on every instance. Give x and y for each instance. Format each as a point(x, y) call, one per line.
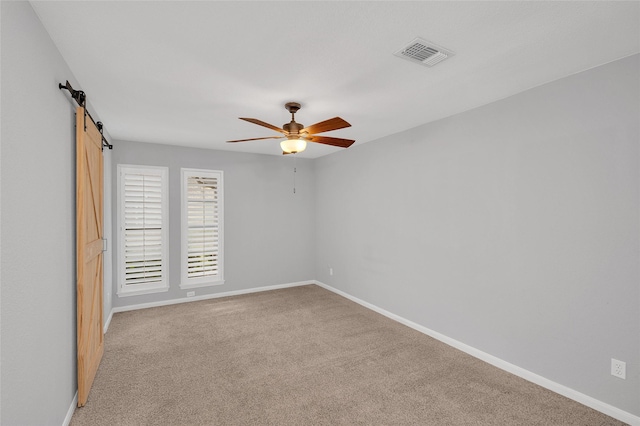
point(268, 233)
point(512, 228)
point(38, 356)
point(38, 270)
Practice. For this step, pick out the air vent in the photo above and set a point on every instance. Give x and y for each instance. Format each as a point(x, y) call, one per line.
point(423, 52)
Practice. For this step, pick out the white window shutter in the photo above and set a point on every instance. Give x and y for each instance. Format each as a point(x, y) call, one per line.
point(202, 227)
point(143, 229)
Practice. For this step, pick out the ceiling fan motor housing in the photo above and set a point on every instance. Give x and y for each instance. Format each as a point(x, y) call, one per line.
point(292, 128)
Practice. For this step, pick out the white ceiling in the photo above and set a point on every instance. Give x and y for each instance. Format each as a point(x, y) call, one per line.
point(182, 73)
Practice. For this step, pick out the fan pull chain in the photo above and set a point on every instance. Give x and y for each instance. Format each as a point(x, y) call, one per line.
point(295, 170)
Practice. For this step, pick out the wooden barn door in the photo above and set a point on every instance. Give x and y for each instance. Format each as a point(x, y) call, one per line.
point(89, 199)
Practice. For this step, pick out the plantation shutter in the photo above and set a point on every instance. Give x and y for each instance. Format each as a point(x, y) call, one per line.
point(203, 208)
point(143, 223)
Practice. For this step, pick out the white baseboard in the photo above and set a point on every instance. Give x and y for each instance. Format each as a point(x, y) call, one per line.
point(106, 324)
point(591, 402)
point(205, 297)
point(72, 409)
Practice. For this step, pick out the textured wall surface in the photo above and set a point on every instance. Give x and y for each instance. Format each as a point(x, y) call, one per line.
point(269, 232)
point(38, 225)
point(512, 228)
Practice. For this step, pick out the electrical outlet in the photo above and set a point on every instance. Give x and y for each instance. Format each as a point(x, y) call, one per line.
point(618, 368)
point(330, 271)
point(191, 293)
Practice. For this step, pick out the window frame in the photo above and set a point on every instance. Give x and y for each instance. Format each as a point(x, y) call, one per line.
point(123, 289)
point(187, 282)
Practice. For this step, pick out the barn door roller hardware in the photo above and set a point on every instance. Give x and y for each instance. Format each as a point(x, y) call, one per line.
point(81, 99)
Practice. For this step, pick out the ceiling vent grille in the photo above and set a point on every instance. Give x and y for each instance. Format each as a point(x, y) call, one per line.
point(424, 53)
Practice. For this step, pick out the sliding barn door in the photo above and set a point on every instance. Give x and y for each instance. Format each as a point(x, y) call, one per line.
point(89, 182)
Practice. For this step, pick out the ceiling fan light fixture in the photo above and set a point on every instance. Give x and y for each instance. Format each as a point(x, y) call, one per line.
point(297, 135)
point(293, 146)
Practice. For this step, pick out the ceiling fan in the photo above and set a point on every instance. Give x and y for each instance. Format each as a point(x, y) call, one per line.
point(297, 135)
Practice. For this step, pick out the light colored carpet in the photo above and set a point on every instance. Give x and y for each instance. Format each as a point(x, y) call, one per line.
point(302, 356)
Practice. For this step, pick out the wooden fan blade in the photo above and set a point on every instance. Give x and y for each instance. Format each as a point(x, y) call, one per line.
point(334, 123)
point(342, 143)
point(262, 123)
point(257, 139)
point(286, 153)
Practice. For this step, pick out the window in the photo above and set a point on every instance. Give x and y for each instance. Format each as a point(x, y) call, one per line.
point(143, 229)
point(202, 228)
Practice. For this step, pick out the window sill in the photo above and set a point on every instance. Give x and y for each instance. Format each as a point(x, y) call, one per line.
point(127, 293)
point(185, 286)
